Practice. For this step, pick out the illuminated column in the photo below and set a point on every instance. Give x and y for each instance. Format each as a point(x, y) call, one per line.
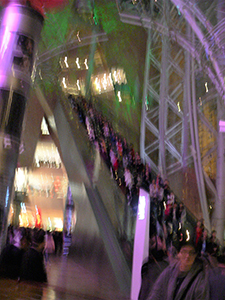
point(19, 35)
point(141, 242)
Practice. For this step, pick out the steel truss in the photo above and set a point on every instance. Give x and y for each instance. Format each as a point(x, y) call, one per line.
point(184, 92)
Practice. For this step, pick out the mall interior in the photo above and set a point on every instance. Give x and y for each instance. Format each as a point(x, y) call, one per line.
point(154, 72)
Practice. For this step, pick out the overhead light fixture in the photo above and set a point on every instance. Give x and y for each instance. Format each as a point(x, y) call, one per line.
point(78, 84)
point(77, 62)
point(64, 82)
point(119, 96)
point(65, 61)
point(85, 62)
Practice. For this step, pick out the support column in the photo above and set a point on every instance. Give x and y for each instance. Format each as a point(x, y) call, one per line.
point(145, 95)
point(197, 153)
point(163, 105)
point(19, 35)
point(218, 221)
point(185, 130)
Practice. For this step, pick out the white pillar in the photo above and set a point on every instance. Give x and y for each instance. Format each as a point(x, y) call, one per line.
point(141, 242)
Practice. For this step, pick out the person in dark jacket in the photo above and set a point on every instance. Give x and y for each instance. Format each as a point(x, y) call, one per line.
point(33, 260)
point(184, 280)
point(215, 276)
point(12, 255)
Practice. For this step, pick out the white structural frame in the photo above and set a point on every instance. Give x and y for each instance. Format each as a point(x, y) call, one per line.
point(202, 43)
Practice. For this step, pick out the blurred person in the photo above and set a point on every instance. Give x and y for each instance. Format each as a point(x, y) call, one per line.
point(181, 215)
point(159, 181)
point(32, 267)
point(10, 234)
point(171, 199)
point(153, 190)
point(58, 240)
point(156, 244)
point(215, 277)
point(166, 190)
point(60, 243)
point(12, 255)
point(119, 146)
point(203, 243)
point(184, 280)
point(157, 262)
point(175, 221)
point(146, 177)
point(214, 242)
point(128, 180)
point(125, 147)
point(198, 232)
point(202, 223)
point(49, 246)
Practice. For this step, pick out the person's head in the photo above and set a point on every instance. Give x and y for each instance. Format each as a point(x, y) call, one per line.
point(181, 205)
point(205, 234)
point(186, 256)
point(199, 223)
point(213, 234)
point(166, 182)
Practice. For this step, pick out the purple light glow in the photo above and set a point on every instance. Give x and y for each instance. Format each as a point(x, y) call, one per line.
point(222, 126)
point(141, 242)
point(5, 42)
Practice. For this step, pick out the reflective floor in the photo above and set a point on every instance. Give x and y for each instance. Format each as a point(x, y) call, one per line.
point(68, 278)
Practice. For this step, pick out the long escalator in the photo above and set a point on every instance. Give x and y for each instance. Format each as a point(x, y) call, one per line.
point(100, 205)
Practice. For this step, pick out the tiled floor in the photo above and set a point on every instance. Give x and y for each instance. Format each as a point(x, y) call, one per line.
point(68, 278)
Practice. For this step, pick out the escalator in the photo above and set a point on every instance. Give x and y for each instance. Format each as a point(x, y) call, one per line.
point(100, 205)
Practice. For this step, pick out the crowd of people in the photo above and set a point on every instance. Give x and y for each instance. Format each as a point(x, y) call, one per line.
point(190, 259)
point(130, 173)
point(27, 253)
point(124, 162)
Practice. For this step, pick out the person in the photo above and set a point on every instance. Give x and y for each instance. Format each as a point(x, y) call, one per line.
point(186, 279)
point(32, 267)
point(157, 262)
point(153, 190)
point(181, 215)
point(215, 277)
point(49, 246)
point(203, 243)
point(12, 255)
point(198, 232)
point(214, 242)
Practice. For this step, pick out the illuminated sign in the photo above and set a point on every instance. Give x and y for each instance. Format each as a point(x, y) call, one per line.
point(141, 208)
